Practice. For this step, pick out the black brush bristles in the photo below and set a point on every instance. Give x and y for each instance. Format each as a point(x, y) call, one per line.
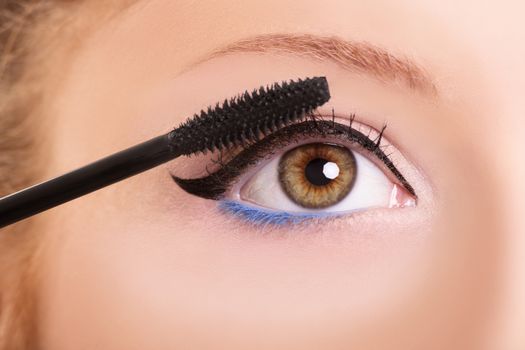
point(240, 120)
point(247, 117)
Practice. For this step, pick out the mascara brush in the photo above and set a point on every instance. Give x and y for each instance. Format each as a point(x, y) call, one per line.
point(239, 120)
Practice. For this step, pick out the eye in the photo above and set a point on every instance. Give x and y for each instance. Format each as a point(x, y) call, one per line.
point(319, 178)
point(313, 169)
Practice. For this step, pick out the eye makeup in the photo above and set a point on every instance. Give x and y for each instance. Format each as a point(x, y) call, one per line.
point(216, 184)
point(261, 217)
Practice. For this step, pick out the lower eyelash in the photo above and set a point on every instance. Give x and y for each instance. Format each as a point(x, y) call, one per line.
point(262, 217)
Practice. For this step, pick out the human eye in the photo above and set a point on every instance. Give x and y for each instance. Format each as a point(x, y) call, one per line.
point(326, 166)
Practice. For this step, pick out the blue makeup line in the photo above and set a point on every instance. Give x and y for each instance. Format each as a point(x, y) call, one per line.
point(262, 217)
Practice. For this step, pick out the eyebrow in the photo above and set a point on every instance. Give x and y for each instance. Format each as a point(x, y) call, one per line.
point(360, 57)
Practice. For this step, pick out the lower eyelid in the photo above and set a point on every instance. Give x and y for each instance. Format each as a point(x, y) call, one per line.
point(260, 218)
point(263, 217)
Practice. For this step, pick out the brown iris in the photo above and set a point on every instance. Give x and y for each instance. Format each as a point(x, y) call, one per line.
point(317, 175)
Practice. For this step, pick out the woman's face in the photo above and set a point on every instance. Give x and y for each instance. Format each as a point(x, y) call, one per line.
point(143, 264)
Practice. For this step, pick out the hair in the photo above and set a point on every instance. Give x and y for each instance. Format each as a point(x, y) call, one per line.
point(21, 92)
point(36, 37)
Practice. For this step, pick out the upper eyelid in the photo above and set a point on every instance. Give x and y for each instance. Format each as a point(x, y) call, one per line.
point(213, 185)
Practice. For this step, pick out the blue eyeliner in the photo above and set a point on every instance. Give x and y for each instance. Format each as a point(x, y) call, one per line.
point(264, 217)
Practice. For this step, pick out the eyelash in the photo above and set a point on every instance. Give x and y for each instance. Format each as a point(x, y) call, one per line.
point(216, 184)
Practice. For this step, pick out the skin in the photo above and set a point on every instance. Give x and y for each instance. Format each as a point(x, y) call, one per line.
point(142, 264)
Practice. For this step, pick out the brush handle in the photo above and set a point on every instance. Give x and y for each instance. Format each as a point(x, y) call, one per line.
point(104, 172)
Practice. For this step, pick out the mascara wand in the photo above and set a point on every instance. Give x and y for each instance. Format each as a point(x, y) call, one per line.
point(238, 120)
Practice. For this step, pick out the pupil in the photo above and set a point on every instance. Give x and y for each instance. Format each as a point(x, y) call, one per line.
point(315, 172)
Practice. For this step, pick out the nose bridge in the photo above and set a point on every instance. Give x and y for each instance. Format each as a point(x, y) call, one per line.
point(511, 148)
point(504, 137)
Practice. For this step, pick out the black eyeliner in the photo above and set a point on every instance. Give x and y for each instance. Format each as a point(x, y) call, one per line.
point(216, 184)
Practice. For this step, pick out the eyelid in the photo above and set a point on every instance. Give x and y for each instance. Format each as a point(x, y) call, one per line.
point(217, 183)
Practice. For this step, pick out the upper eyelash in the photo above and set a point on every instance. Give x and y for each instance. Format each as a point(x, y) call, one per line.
point(216, 184)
